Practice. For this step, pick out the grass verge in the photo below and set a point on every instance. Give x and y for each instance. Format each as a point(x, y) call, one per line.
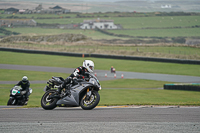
point(16, 75)
point(124, 96)
point(149, 97)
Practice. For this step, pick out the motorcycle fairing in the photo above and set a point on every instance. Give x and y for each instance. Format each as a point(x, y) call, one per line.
point(14, 92)
point(68, 100)
point(73, 99)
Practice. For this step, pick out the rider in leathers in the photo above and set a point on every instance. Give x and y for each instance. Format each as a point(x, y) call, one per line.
point(25, 84)
point(79, 73)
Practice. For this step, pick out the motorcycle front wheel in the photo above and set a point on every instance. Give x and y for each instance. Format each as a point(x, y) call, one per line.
point(12, 101)
point(91, 102)
point(46, 103)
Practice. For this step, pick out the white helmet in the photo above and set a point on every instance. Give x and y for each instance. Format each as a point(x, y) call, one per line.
point(24, 79)
point(89, 65)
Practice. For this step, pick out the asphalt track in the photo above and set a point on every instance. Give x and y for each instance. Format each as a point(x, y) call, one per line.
point(101, 74)
point(119, 119)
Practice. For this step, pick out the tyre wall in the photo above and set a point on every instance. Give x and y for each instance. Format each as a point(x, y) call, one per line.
point(188, 87)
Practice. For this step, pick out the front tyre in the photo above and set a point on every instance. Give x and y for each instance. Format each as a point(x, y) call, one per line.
point(12, 101)
point(46, 103)
point(91, 102)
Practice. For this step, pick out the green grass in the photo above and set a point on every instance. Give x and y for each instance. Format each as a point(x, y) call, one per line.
point(16, 75)
point(120, 96)
point(60, 21)
point(38, 31)
point(132, 83)
point(148, 97)
point(188, 32)
point(166, 21)
point(173, 50)
point(127, 23)
point(100, 63)
point(42, 31)
point(135, 22)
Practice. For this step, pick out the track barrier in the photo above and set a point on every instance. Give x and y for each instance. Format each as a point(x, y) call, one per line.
point(183, 86)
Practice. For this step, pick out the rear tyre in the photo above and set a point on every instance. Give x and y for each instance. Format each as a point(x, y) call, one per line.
point(90, 103)
point(48, 104)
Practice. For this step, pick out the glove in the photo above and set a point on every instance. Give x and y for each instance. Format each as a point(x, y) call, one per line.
point(75, 78)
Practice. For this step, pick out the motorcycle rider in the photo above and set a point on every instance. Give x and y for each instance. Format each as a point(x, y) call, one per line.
point(79, 73)
point(25, 84)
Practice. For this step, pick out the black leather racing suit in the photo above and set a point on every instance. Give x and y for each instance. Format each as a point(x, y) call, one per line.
point(79, 73)
point(25, 87)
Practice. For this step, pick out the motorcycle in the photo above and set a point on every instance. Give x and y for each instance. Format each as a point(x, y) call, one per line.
point(17, 96)
point(82, 92)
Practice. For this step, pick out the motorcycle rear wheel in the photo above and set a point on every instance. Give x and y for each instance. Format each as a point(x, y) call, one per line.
point(92, 102)
point(48, 104)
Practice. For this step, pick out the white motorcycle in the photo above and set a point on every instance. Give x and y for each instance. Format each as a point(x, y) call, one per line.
point(17, 96)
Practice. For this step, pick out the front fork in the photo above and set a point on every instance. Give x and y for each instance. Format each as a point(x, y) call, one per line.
point(13, 102)
point(89, 93)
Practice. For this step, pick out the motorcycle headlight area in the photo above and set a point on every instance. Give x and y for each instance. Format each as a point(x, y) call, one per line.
point(15, 91)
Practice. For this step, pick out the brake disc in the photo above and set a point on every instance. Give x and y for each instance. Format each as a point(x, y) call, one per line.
point(90, 100)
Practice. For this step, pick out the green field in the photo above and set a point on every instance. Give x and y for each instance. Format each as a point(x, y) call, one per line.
point(134, 22)
point(15, 75)
point(189, 32)
point(135, 26)
point(159, 21)
point(42, 31)
point(120, 96)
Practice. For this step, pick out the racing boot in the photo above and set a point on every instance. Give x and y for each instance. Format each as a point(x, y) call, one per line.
point(26, 100)
point(66, 92)
point(67, 81)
